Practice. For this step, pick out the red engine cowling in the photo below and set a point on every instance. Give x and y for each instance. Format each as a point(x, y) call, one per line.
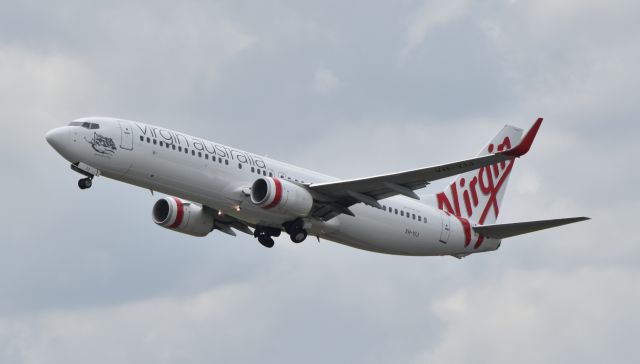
point(281, 196)
point(182, 216)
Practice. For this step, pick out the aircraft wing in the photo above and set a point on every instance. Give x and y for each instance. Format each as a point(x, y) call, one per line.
point(336, 197)
point(501, 231)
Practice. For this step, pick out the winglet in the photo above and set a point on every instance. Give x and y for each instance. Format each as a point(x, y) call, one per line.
point(525, 144)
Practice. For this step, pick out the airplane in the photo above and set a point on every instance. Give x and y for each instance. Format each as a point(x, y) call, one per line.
point(211, 186)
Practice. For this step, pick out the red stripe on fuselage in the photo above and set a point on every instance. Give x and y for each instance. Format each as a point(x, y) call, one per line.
point(278, 197)
point(466, 226)
point(179, 213)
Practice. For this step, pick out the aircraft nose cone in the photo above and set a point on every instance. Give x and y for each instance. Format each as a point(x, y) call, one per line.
point(56, 138)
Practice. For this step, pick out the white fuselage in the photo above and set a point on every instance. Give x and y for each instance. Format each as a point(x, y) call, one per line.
point(218, 176)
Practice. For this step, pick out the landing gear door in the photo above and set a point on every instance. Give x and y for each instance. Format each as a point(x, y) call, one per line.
point(126, 141)
point(446, 227)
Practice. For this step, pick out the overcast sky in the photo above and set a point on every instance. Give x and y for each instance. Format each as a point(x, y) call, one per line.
point(349, 88)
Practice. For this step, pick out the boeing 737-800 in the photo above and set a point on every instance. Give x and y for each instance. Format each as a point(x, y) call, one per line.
point(211, 186)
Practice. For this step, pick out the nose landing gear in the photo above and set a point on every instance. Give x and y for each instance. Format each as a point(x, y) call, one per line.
point(85, 183)
point(87, 171)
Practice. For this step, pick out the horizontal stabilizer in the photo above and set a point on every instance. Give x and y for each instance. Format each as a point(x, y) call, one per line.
point(501, 231)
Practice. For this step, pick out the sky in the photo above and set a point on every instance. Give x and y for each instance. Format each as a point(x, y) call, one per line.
point(351, 89)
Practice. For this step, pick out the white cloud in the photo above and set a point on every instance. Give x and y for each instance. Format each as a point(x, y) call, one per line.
point(176, 48)
point(540, 316)
point(532, 315)
point(37, 86)
point(153, 331)
point(432, 13)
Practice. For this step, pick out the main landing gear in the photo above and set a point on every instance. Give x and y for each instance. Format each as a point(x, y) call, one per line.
point(265, 235)
point(85, 183)
point(294, 228)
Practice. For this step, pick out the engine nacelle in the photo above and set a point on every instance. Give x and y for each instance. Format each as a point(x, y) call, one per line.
point(281, 196)
point(182, 216)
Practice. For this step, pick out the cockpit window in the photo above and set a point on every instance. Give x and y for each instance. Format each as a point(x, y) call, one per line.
point(85, 124)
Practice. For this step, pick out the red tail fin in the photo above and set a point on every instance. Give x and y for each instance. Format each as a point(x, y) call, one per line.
point(477, 195)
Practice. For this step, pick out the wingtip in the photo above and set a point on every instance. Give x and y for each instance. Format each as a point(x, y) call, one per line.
point(526, 142)
point(578, 219)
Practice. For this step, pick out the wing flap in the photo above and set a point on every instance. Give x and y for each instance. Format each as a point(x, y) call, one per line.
point(501, 231)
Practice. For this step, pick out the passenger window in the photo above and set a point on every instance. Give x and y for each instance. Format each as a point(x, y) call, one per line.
point(219, 160)
point(155, 142)
point(206, 156)
point(270, 174)
point(401, 213)
point(264, 173)
point(239, 165)
point(141, 138)
point(148, 140)
point(413, 216)
point(258, 171)
point(186, 151)
point(193, 152)
point(253, 169)
point(419, 218)
point(179, 149)
point(173, 146)
point(226, 161)
point(384, 208)
point(396, 211)
point(199, 154)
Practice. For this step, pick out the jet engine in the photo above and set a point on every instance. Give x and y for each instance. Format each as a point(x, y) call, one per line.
point(281, 196)
point(183, 216)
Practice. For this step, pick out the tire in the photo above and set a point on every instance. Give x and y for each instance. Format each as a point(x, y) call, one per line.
point(266, 241)
point(85, 183)
point(299, 236)
point(294, 226)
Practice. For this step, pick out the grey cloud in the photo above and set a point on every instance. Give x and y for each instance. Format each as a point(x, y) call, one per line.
point(539, 316)
point(86, 275)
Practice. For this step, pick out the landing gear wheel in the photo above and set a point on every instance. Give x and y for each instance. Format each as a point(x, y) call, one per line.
point(299, 236)
point(266, 241)
point(296, 230)
point(85, 183)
